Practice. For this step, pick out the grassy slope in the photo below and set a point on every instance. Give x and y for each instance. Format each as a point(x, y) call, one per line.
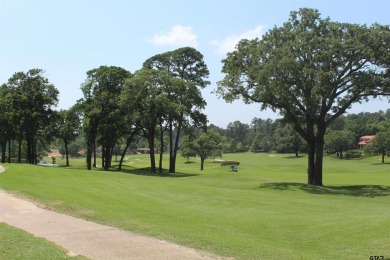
point(17, 244)
point(264, 211)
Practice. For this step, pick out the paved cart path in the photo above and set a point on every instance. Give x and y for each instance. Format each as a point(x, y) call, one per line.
point(86, 238)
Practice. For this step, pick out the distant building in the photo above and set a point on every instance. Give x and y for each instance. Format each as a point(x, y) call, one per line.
point(54, 152)
point(81, 152)
point(364, 140)
point(144, 150)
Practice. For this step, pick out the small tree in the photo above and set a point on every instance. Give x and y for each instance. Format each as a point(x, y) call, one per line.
point(69, 127)
point(381, 143)
point(339, 141)
point(206, 144)
point(287, 139)
point(187, 148)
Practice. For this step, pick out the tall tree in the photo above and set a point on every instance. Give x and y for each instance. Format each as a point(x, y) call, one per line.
point(186, 64)
point(6, 127)
point(311, 70)
point(69, 127)
point(34, 100)
point(145, 97)
point(100, 105)
point(12, 118)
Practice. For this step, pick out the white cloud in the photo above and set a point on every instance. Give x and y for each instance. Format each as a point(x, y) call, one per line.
point(229, 43)
point(179, 35)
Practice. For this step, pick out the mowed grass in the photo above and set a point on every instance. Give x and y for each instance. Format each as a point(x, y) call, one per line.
point(265, 211)
point(17, 244)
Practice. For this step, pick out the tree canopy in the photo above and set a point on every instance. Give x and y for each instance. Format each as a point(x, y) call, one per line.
point(100, 105)
point(31, 98)
point(310, 70)
point(187, 65)
point(205, 144)
point(381, 143)
point(68, 127)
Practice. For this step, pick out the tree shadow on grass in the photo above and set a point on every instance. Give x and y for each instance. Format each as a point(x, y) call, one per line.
point(146, 172)
point(293, 157)
point(189, 162)
point(352, 158)
point(380, 163)
point(369, 191)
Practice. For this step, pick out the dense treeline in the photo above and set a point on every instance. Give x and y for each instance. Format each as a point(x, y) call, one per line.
point(278, 136)
point(26, 105)
point(157, 102)
point(119, 131)
point(121, 112)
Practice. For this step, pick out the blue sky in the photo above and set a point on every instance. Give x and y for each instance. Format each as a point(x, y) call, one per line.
point(67, 38)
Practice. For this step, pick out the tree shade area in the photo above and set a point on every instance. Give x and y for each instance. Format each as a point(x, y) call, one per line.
point(310, 70)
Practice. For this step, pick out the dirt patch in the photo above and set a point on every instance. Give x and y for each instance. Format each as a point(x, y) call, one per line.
point(86, 212)
point(56, 203)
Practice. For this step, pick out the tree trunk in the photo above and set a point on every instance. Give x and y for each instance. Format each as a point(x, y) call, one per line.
point(341, 153)
point(160, 162)
point(310, 162)
point(91, 137)
point(3, 151)
point(161, 148)
point(383, 155)
point(108, 157)
point(20, 148)
point(201, 163)
point(28, 149)
point(31, 149)
point(124, 152)
point(104, 157)
point(34, 152)
point(94, 153)
point(111, 155)
point(9, 151)
point(171, 162)
point(151, 153)
point(66, 152)
point(317, 180)
point(319, 158)
point(89, 155)
point(176, 147)
point(311, 150)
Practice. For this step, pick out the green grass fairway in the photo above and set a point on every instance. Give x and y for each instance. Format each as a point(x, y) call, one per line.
point(265, 211)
